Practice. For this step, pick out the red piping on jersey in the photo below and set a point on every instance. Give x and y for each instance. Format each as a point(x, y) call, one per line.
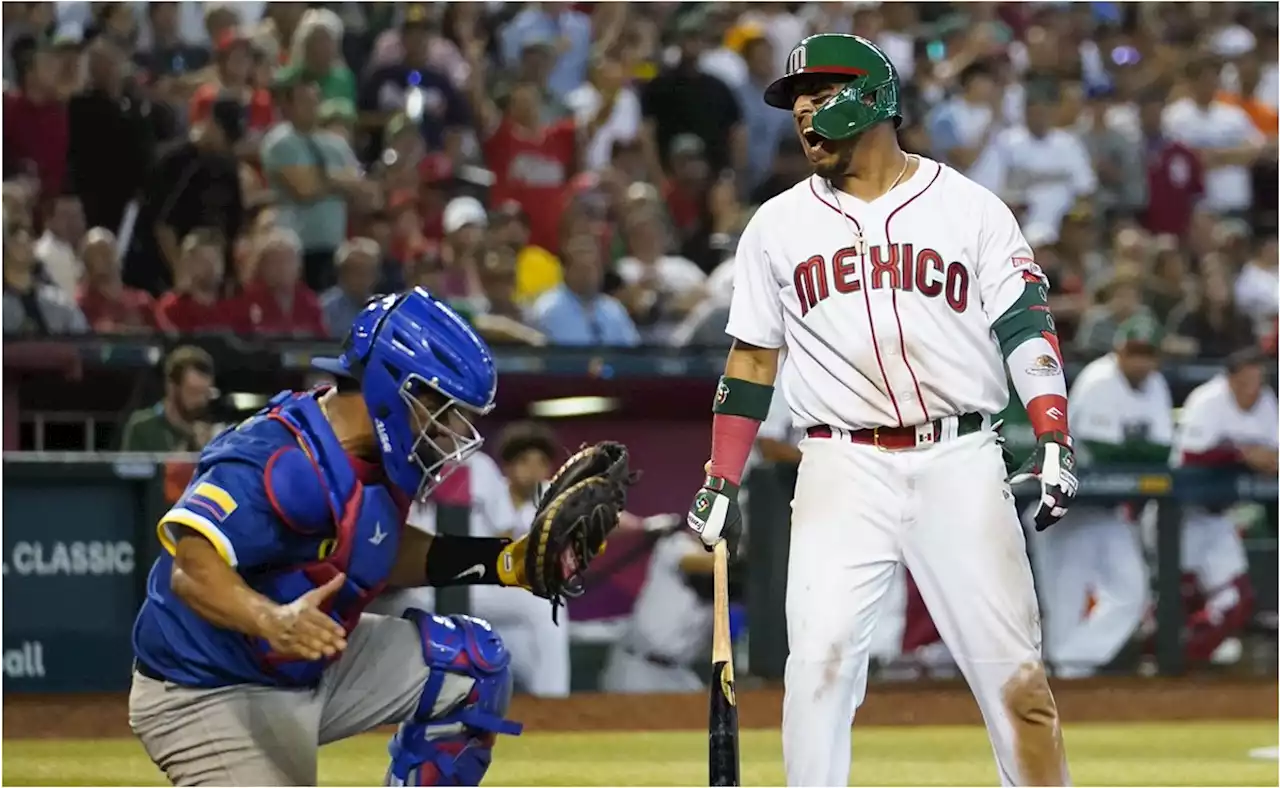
point(902, 340)
point(862, 274)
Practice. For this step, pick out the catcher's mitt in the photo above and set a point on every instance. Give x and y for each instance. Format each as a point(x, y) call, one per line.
point(576, 512)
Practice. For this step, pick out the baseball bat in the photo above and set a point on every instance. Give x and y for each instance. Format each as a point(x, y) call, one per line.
point(723, 722)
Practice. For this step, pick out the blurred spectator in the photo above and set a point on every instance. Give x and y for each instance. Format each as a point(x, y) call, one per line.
point(1175, 177)
point(763, 125)
point(1169, 283)
point(527, 451)
point(338, 116)
point(1041, 168)
point(465, 222)
point(1249, 92)
point(401, 164)
point(659, 288)
point(358, 261)
point(68, 51)
point(963, 125)
point(1120, 300)
point(784, 28)
point(723, 57)
point(606, 111)
point(315, 56)
point(684, 100)
point(1117, 158)
point(532, 161)
point(566, 30)
point(537, 270)
point(170, 57)
point(498, 278)
point(179, 421)
point(108, 305)
point(1207, 322)
point(194, 184)
point(314, 174)
point(790, 166)
point(277, 302)
point(195, 304)
point(17, 200)
point(233, 75)
point(412, 86)
point(56, 249)
point(117, 23)
point(1222, 135)
point(32, 307)
point(1258, 287)
point(113, 135)
point(279, 24)
point(35, 122)
point(577, 312)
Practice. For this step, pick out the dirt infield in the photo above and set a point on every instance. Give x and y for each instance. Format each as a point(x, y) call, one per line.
point(1118, 700)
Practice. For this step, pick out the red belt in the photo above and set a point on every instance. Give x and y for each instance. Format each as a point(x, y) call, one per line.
point(897, 438)
point(888, 438)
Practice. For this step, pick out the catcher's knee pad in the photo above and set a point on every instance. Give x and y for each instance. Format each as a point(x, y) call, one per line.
point(454, 747)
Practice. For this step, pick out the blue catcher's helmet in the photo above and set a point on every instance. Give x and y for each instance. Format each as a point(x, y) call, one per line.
point(421, 370)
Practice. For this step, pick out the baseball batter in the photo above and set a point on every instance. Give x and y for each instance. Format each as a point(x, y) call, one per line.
point(1121, 414)
point(253, 646)
point(1228, 422)
point(901, 291)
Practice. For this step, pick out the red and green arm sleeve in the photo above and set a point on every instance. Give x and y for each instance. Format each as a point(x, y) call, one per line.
point(740, 407)
point(1028, 341)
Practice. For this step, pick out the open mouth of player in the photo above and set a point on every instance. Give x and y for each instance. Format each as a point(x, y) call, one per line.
point(813, 141)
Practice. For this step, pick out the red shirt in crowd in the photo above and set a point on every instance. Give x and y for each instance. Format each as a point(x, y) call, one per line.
point(533, 169)
point(35, 140)
point(185, 314)
point(128, 309)
point(257, 311)
point(1175, 181)
point(684, 206)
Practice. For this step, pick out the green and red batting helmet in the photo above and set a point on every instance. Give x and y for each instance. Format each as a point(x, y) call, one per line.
point(871, 95)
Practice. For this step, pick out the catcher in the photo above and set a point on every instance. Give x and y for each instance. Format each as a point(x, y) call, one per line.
point(252, 649)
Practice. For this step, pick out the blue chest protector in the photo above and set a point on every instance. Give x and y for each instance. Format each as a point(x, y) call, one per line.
point(315, 494)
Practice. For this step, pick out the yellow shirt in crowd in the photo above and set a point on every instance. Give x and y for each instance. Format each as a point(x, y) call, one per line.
point(537, 271)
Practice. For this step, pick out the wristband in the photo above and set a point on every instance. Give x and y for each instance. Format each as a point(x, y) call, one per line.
point(464, 561)
point(1048, 414)
point(740, 406)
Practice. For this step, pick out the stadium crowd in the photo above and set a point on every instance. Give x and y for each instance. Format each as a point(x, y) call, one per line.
point(577, 173)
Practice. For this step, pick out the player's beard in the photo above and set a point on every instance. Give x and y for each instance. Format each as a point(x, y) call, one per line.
point(837, 166)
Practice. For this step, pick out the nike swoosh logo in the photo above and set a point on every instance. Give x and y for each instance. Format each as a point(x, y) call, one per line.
point(477, 570)
point(378, 534)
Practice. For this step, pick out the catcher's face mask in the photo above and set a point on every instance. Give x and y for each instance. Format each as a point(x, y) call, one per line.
point(444, 433)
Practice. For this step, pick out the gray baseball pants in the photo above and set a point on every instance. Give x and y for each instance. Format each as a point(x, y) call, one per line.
point(259, 735)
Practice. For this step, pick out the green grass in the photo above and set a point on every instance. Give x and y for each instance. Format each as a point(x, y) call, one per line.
point(1146, 754)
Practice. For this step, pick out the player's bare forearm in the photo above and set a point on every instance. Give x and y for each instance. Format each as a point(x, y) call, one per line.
point(755, 364)
point(214, 590)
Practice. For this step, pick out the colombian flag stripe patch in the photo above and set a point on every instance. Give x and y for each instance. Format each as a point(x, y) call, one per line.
point(213, 499)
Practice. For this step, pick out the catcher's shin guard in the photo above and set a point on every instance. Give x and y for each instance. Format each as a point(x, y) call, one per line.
point(454, 747)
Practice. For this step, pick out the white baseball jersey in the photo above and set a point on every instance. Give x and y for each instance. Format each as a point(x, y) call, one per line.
point(1211, 417)
point(670, 620)
point(492, 512)
point(885, 308)
point(1106, 409)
